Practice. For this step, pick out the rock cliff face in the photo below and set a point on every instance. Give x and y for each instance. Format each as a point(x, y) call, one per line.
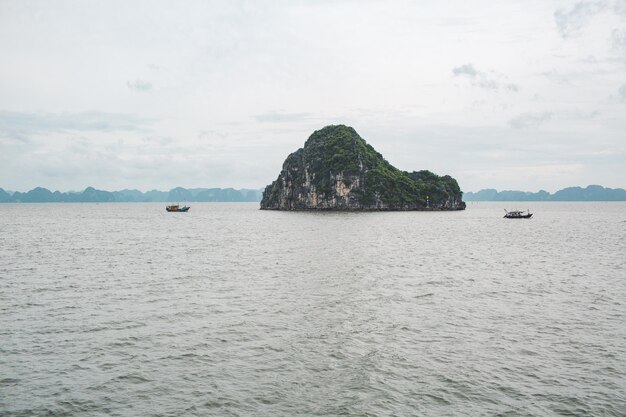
point(338, 170)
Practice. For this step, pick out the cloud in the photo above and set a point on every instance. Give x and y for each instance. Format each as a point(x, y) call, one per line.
point(21, 125)
point(619, 40)
point(288, 79)
point(279, 117)
point(620, 7)
point(529, 120)
point(139, 85)
point(556, 77)
point(622, 92)
point(482, 79)
point(467, 69)
point(570, 22)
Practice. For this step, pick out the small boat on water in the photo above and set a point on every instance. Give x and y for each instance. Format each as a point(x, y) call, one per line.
point(515, 214)
point(177, 208)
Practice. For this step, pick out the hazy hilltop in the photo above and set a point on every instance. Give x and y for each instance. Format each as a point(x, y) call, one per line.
point(590, 193)
point(92, 195)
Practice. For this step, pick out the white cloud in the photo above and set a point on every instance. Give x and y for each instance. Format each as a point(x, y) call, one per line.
point(570, 22)
point(482, 79)
point(619, 40)
point(23, 124)
point(281, 117)
point(139, 85)
point(466, 69)
point(529, 120)
point(620, 7)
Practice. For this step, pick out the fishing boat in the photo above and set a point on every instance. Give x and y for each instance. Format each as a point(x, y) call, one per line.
point(515, 214)
point(177, 208)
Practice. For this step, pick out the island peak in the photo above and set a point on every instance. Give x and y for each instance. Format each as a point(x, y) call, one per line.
point(338, 170)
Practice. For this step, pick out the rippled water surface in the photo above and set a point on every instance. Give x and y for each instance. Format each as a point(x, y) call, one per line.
point(125, 310)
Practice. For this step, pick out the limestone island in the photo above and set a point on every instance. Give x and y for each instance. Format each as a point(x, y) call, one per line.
point(337, 170)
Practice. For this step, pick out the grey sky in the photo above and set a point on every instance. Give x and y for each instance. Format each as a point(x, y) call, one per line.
point(148, 94)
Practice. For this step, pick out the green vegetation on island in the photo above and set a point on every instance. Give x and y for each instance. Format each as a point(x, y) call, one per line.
point(337, 170)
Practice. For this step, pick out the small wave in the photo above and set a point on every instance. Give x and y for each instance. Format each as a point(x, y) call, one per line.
point(9, 381)
point(424, 295)
point(132, 378)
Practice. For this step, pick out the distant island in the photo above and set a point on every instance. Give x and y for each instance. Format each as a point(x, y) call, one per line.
point(91, 195)
point(591, 193)
point(337, 170)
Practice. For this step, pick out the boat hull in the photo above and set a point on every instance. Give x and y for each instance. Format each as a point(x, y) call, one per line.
point(177, 209)
point(525, 216)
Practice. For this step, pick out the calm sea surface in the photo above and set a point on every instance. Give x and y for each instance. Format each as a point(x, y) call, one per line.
point(126, 310)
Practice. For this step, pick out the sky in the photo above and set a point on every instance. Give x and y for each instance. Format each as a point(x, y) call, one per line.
point(157, 94)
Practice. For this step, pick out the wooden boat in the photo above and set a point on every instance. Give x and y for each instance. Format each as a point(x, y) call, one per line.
point(515, 214)
point(177, 208)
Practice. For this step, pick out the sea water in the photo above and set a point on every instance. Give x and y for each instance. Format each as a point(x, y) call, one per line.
point(126, 310)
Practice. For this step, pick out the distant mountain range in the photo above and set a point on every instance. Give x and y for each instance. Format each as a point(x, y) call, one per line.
point(179, 194)
point(591, 193)
point(91, 195)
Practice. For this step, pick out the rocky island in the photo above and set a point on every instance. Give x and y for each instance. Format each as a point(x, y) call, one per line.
point(337, 170)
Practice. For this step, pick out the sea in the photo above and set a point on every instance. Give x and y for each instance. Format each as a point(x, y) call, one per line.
point(127, 310)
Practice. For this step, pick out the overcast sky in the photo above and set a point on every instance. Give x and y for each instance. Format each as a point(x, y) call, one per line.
point(144, 94)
